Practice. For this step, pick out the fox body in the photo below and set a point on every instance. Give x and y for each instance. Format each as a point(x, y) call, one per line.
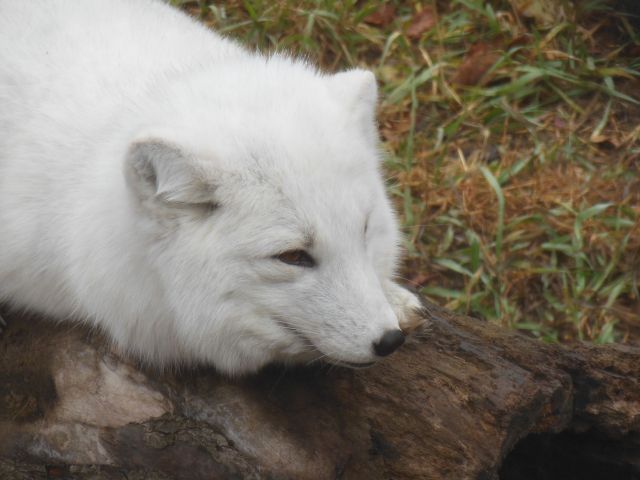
point(196, 201)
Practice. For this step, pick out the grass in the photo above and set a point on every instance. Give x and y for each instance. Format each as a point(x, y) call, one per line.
point(513, 145)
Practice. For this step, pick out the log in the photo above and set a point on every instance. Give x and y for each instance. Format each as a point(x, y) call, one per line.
point(464, 399)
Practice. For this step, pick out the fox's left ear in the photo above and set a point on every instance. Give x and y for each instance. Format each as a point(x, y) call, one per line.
point(357, 90)
point(162, 174)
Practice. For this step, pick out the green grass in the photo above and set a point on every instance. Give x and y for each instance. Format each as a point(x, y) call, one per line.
point(513, 147)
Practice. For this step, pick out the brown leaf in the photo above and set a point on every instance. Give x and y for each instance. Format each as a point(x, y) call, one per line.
point(382, 17)
point(545, 13)
point(478, 60)
point(422, 21)
point(606, 140)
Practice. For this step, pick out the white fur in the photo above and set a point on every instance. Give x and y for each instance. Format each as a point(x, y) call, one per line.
point(150, 170)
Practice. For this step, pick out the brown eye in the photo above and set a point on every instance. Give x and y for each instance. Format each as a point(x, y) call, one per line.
point(298, 258)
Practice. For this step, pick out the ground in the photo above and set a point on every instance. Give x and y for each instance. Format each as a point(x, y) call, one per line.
point(511, 131)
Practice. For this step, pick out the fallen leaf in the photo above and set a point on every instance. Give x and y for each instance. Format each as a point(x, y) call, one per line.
point(396, 129)
point(545, 13)
point(382, 17)
point(605, 140)
point(422, 21)
point(477, 62)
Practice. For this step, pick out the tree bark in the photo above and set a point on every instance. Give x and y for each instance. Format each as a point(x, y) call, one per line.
point(450, 404)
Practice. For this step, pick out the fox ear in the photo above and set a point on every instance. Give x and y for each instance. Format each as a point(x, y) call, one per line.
point(160, 171)
point(357, 90)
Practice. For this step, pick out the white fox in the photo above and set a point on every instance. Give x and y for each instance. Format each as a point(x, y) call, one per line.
point(198, 202)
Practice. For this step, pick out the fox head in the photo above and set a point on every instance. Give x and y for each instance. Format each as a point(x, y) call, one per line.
point(260, 196)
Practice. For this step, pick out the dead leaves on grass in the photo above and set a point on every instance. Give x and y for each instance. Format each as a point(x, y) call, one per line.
point(381, 17)
point(477, 62)
point(545, 13)
point(422, 22)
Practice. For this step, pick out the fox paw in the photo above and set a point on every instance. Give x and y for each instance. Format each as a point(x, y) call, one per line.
point(407, 307)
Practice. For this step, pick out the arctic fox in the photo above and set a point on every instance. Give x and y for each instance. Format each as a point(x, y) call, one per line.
point(198, 202)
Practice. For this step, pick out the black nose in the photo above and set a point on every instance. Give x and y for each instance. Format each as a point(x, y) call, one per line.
point(389, 343)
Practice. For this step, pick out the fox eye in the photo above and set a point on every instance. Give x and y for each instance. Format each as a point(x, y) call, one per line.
point(298, 258)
